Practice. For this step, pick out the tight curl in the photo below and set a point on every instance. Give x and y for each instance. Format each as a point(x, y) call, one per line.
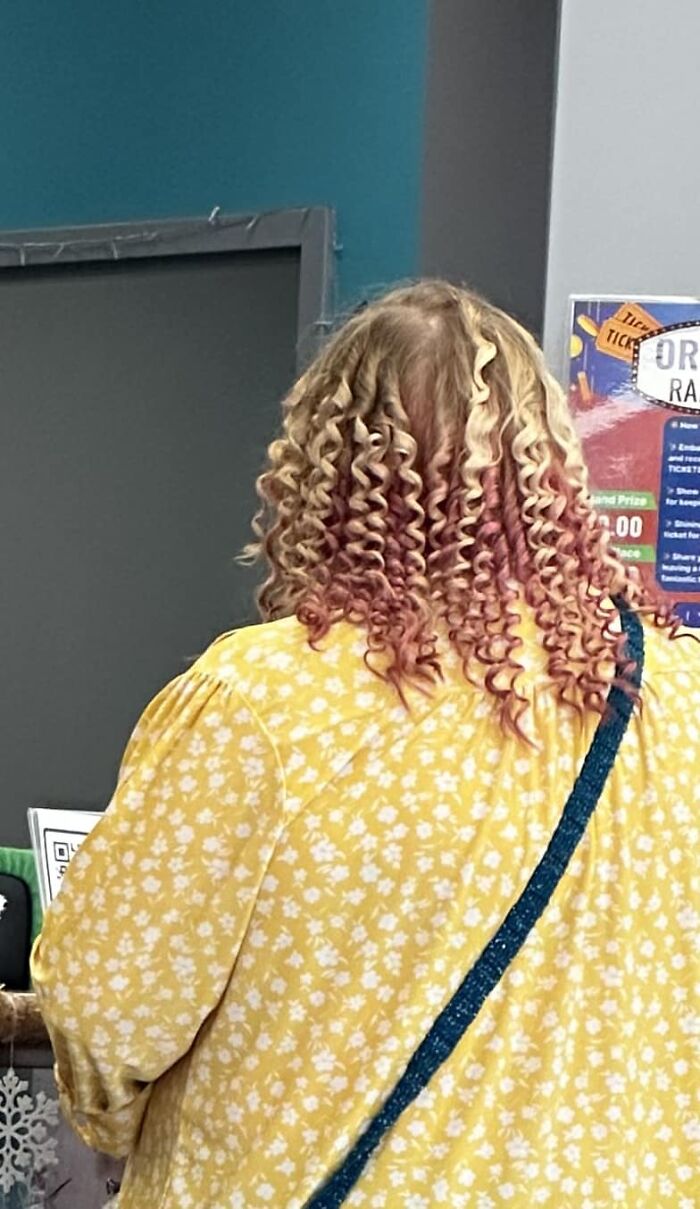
point(429, 480)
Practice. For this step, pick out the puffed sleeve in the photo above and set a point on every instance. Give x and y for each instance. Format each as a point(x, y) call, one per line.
point(138, 947)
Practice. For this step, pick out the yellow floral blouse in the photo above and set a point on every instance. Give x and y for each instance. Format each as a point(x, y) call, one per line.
point(294, 875)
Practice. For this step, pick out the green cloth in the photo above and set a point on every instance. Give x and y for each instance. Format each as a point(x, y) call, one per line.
point(20, 862)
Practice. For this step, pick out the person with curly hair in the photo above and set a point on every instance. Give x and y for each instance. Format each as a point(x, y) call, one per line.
point(394, 901)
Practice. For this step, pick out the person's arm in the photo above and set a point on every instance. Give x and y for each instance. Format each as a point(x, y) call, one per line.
point(138, 947)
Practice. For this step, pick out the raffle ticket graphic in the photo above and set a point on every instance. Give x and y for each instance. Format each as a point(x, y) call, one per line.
point(634, 386)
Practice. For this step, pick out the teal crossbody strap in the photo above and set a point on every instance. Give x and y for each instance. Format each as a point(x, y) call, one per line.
point(455, 1018)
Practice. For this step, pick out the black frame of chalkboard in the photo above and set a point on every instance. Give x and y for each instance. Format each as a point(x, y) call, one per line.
point(310, 229)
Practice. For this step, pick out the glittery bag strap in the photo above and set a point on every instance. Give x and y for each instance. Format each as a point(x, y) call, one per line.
point(486, 973)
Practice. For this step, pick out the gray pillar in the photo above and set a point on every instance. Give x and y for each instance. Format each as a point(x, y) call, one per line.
point(487, 149)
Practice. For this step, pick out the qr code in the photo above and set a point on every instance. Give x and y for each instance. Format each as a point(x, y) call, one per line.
point(63, 850)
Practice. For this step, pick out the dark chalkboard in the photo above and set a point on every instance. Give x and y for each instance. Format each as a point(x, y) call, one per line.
point(136, 401)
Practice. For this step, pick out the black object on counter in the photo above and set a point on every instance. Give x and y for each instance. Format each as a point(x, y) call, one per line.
point(15, 932)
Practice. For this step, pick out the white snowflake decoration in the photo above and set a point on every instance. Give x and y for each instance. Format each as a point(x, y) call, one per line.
point(26, 1147)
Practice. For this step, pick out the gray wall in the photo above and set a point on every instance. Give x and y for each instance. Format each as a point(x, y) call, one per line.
point(626, 175)
point(490, 82)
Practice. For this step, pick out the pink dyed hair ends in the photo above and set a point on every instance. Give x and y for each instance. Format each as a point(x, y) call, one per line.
point(429, 478)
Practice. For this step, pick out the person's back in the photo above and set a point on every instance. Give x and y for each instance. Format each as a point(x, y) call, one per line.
point(312, 844)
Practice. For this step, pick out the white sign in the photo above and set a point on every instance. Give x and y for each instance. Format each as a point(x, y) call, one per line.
point(56, 836)
point(667, 366)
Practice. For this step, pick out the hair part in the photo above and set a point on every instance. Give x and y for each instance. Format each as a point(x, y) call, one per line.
point(428, 478)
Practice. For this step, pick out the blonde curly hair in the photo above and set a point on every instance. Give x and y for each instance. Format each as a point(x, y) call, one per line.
point(429, 478)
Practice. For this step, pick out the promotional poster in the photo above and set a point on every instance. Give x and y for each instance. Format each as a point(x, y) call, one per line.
point(634, 386)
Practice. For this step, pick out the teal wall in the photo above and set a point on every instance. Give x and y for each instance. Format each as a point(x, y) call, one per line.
point(158, 108)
